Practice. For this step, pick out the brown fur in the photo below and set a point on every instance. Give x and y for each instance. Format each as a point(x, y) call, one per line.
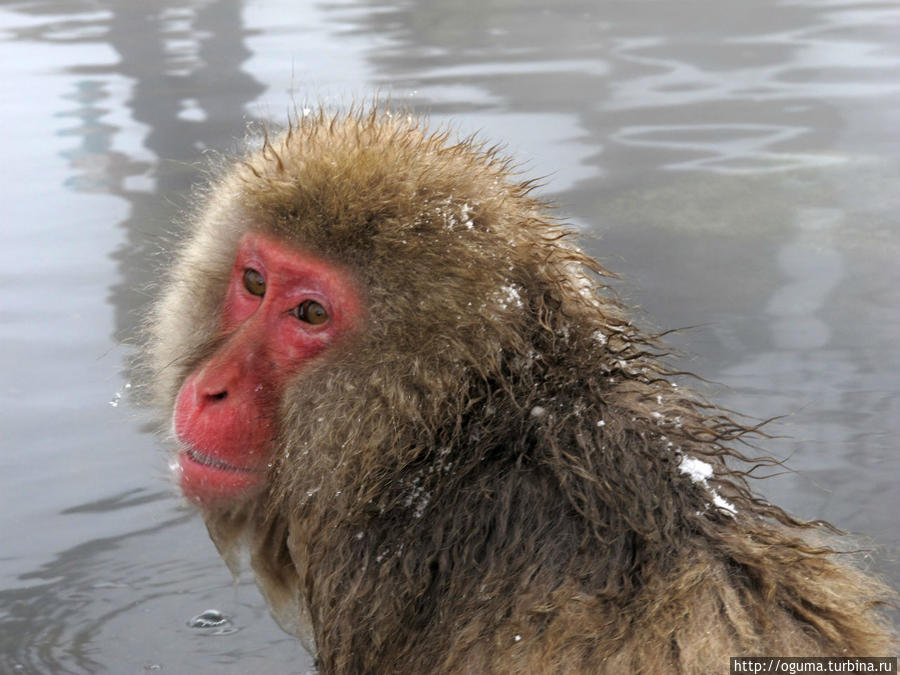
point(442, 497)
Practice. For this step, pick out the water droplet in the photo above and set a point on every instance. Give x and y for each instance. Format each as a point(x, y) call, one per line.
point(211, 618)
point(214, 623)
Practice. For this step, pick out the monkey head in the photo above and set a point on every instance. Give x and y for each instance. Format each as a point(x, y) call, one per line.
point(336, 290)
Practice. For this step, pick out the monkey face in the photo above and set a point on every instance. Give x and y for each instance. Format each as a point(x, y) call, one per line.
point(282, 308)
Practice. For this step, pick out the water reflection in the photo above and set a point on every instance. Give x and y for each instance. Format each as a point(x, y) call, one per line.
point(190, 90)
point(130, 85)
point(812, 268)
point(95, 165)
point(726, 148)
point(760, 64)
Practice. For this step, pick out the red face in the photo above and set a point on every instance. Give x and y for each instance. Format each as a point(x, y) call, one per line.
point(283, 308)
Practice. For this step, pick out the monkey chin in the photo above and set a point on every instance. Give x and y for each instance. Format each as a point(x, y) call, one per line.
point(213, 484)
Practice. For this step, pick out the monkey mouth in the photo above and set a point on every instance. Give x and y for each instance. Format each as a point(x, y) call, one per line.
point(212, 462)
point(212, 483)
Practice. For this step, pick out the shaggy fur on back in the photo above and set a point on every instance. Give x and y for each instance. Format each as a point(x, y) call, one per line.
point(496, 475)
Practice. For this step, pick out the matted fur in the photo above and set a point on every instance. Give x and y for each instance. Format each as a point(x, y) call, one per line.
point(489, 476)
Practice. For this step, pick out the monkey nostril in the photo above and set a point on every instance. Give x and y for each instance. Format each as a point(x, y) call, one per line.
point(220, 396)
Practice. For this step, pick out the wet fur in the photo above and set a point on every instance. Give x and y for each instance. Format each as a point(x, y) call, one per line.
point(442, 497)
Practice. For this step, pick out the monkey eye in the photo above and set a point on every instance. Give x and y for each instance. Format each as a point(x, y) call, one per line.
point(311, 311)
point(254, 282)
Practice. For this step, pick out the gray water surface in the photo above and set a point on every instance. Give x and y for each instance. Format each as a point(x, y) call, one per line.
point(738, 164)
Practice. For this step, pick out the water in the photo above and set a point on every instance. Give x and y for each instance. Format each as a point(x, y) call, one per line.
point(737, 164)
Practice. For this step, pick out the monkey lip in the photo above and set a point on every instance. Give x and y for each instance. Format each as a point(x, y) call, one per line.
point(210, 481)
point(212, 462)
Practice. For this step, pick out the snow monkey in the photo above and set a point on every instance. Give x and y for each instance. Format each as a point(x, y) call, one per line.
point(398, 383)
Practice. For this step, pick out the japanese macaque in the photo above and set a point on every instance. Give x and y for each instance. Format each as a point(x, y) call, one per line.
point(397, 383)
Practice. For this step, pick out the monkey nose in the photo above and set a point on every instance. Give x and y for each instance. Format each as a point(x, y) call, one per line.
point(213, 390)
point(217, 381)
point(209, 396)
